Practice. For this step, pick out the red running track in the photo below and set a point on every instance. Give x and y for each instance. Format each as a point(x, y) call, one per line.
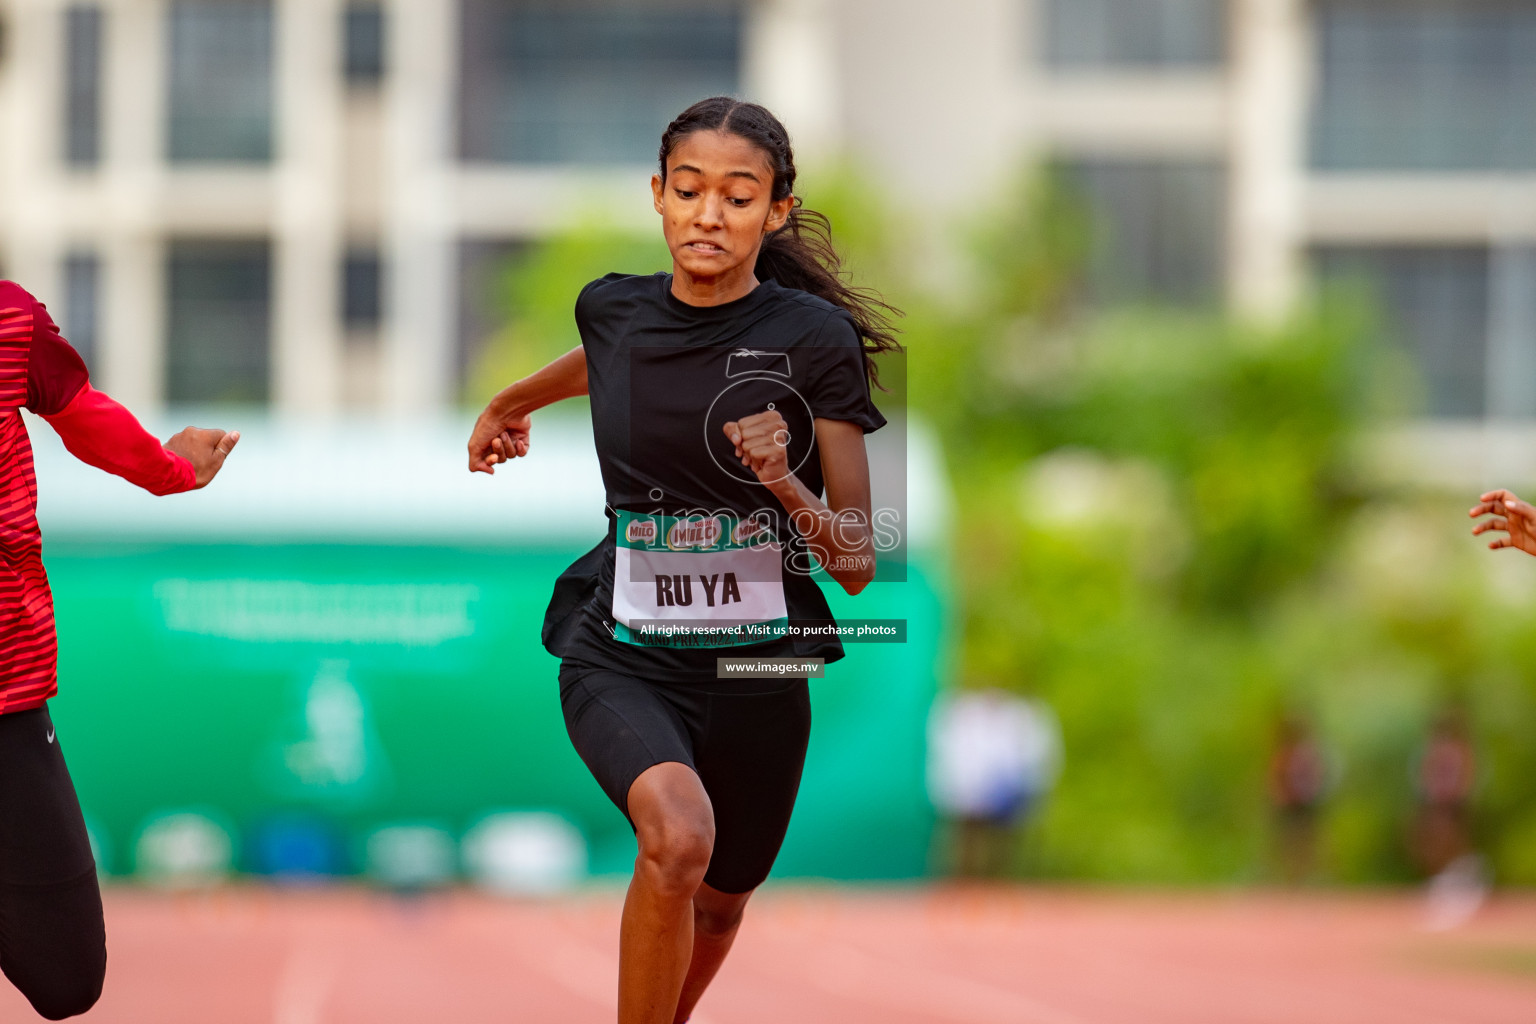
point(818, 956)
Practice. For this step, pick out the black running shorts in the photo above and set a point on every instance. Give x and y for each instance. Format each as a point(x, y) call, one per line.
point(745, 738)
point(53, 943)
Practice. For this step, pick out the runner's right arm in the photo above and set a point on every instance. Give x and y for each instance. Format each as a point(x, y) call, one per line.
point(100, 432)
point(501, 432)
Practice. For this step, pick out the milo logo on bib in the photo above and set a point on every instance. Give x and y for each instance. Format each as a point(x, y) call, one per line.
point(684, 534)
point(641, 531)
point(697, 581)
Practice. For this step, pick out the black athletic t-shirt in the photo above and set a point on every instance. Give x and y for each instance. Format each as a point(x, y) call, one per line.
point(664, 377)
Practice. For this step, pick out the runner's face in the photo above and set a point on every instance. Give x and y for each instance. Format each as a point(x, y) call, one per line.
point(716, 205)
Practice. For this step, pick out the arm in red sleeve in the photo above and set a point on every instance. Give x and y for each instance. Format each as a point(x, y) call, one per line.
point(96, 429)
point(55, 371)
point(100, 432)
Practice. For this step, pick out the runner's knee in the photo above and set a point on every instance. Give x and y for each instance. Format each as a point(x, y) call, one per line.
point(675, 851)
point(718, 921)
point(675, 826)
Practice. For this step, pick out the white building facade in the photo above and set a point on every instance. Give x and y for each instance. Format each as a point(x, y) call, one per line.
point(1250, 149)
point(284, 202)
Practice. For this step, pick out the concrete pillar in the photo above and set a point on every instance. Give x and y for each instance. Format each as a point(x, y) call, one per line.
point(132, 323)
point(931, 92)
point(1271, 88)
point(418, 235)
point(790, 67)
point(308, 209)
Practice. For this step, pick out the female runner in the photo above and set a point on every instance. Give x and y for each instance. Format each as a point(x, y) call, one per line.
point(726, 397)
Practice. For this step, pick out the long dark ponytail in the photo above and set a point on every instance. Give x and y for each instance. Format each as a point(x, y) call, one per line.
point(800, 254)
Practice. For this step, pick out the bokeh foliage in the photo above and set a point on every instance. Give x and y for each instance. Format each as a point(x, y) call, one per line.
point(1170, 526)
point(1173, 529)
point(536, 296)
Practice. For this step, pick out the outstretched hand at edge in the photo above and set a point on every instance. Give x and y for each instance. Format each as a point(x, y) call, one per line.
point(206, 449)
point(1513, 517)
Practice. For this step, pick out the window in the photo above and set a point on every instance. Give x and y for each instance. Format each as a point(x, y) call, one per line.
point(1435, 304)
point(364, 37)
point(1436, 85)
point(588, 82)
point(82, 294)
point(362, 290)
point(1512, 331)
point(1135, 33)
point(1157, 229)
point(82, 85)
point(221, 88)
point(219, 349)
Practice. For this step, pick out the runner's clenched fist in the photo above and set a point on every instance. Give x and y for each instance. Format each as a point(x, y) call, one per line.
point(497, 441)
point(762, 444)
point(205, 449)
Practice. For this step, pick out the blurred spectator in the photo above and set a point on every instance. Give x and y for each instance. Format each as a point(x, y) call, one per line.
point(1298, 779)
point(1446, 774)
point(992, 757)
point(1445, 777)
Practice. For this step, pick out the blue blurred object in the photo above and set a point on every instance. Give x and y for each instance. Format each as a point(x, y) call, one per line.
point(295, 848)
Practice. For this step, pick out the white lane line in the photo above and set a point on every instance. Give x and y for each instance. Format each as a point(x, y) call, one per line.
point(582, 969)
point(306, 981)
point(574, 965)
point(845, 971)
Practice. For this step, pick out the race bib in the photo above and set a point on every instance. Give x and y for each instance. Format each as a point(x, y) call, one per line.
point(697, 581)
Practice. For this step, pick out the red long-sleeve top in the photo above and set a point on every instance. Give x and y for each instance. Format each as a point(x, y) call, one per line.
point(39, 371)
